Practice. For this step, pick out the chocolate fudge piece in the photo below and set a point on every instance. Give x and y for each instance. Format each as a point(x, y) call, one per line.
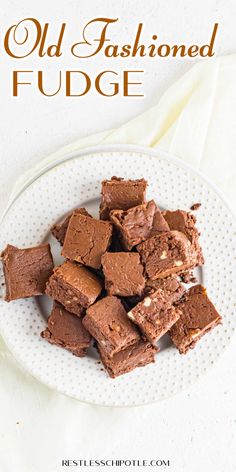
point(166, 254)
point(74, 286)
point(154, 315)
point(159, 223)
point(86, 240)
point(137, 355)
point(121, 194)
point(198, 317)
point(135, 224)
point(67, 330)
point(26, 270)
point(59, 230)
point(183, 221)
point(172, 288)
point(108, 323)
point(123, 273)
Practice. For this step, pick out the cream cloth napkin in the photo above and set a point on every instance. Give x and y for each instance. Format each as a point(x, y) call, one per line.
point(195, 120)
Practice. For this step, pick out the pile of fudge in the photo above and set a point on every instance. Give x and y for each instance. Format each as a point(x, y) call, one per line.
point(121, 286)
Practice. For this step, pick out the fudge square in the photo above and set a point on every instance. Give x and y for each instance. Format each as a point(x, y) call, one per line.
point(172, 288)
point(123, 273)
point(183, 221)
point(121, 194)
point(59, 230)
point(138, 223)
point(154, 315)
point(74, 286)
point(108, 323)
point(198, 317)
point(166, 254)
point(66, 330)
point(26, 270)
point(137, 355)
point(135, 224)
point(86, 240)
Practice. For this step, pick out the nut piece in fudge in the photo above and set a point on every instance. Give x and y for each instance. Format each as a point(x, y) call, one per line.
point(59, 230)
point(183, 221)
point(135, 224)
point(66, 330)
point(198, 316)
point(121, 194)
point(137, 355)
point(172, 288)
point(108, 323)
point(123, 273)
point(86, 240)
point(154, 315)
point(166, 254)
point(26, 270)
point(74, 286)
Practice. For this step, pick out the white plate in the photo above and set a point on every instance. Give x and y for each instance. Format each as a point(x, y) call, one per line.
point(76, 182)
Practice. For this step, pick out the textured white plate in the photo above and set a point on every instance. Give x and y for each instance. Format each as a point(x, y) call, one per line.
point(77, 183)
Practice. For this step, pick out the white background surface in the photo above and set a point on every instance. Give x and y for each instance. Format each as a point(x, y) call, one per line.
point(196, 429)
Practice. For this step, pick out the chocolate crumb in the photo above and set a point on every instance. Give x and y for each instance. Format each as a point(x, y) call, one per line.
point(188, 277)
point(193, 279)
point(195, 206)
